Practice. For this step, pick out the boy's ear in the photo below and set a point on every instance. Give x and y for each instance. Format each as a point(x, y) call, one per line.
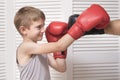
point(22, 29)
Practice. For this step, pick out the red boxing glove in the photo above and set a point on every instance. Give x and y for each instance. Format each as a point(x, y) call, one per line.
point(94, 16)
point(54, 32)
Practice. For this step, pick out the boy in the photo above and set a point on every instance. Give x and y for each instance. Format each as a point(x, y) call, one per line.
point(33, 58)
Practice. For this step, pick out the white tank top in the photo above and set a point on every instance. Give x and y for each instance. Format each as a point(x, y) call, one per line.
point(36, 69)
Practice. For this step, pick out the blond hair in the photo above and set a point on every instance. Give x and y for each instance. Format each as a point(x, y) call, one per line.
point(26, 15)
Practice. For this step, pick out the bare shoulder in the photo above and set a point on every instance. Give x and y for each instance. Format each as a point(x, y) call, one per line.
point(27, 47)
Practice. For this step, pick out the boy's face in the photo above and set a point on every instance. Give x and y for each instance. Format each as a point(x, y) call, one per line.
point(36, 30)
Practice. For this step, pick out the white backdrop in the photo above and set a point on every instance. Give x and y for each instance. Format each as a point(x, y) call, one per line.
point(89, 58)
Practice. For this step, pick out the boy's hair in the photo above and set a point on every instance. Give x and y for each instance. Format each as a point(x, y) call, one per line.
point(26, 15)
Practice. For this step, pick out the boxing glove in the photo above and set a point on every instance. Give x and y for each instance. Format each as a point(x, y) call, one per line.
point(94, 16)
point(54, 32)
point(72, 20)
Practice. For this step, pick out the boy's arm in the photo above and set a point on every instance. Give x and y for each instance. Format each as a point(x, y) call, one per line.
point(54, 32)
point(58, 64)
point(85, 22)
point(60, 45)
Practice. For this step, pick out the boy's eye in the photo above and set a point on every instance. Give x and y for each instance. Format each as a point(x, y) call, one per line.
point(39, 26)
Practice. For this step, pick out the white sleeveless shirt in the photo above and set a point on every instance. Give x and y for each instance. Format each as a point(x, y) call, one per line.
point(36, 68)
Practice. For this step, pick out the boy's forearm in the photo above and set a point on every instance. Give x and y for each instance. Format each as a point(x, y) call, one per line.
point(57, 64)
point(60, 45)
point(65, 42)
point(61, 65)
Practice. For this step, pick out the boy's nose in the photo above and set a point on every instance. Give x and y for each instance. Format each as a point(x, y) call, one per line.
point(43, 29)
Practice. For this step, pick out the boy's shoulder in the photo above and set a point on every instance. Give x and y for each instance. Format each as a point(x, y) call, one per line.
point(27, 44)
point(27, 47)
